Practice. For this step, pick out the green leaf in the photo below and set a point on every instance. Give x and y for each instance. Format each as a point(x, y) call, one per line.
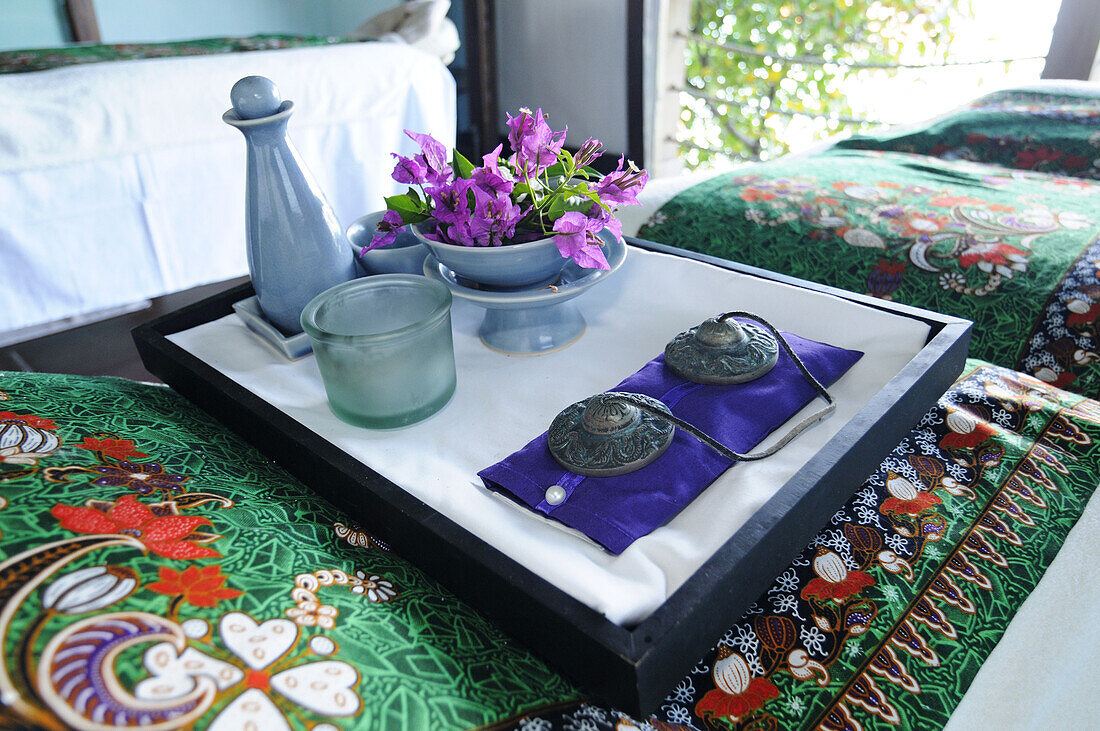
point(411, 218)
point(463, 167)
point(595, 198)
point(404, 204)
point(556, 170)
point(557, 207)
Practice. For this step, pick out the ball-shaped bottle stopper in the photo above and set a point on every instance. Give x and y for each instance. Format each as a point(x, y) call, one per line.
point(254, 97)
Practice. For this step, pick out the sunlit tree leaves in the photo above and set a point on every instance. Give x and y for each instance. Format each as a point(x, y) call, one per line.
point(753, 66)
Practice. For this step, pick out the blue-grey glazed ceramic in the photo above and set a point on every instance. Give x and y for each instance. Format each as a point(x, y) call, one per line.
point(404, 256)
point(515, 266)
point(296, 247)
point(292, 347)
point(538, 319)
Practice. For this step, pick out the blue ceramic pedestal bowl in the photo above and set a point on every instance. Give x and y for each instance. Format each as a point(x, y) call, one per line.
point(515, 266)
point(534, 320)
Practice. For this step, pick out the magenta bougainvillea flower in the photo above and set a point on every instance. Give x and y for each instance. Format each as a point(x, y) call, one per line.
point(433, 157)
point(409, 170)
point(539, 190)
point(495, 218)
point(577, 240)
point(388, 228)
point(622, 186)
point(535, 145)
point(489, 176)
point(451, 204)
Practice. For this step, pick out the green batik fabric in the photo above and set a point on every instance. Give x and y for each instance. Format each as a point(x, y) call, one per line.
point(1016, 252)
point(42, 59)
point(1053, 130)
point(884, 619)
point(155, 569)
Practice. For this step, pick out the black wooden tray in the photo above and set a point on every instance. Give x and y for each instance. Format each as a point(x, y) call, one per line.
point(632, 668)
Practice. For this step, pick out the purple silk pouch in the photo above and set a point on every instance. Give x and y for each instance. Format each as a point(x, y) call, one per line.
point(616, 511)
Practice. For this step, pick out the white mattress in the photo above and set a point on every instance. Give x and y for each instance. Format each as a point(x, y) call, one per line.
point(119, 181)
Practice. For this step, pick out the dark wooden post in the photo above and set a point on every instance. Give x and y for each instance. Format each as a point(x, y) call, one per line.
point(1074, 41)
point(82, 20)
point(635, 81)
point(481, 50)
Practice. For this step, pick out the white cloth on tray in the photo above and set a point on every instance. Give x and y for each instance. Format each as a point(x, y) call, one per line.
point(119, 181)
point(630, 317)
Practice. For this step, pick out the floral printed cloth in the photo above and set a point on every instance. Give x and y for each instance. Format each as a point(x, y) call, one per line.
point(42, 59)
point(1054, 130)
point(1016, 252)
point(157, 571)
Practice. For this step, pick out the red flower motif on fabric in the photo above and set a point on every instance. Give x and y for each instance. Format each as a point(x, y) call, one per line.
point(1030, 159)
point(905, 497)
point(834, 580)
point(198, 587)
point(113, 448)
point(752, 195)
point(7, 417)
point(142, 477)
point(918, 225)
point(1061, 380)
point(171, 536)
point(1087, 315)
point(950, 201)
point(720, 704)
point(822, 589)
point(955, 440)
point(897, 506)
point(737, 693)
point(1074, 182)
point(1072, 162)
point(1002, 255)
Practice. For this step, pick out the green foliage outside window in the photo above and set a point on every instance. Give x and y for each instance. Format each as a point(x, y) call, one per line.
point(753, 66)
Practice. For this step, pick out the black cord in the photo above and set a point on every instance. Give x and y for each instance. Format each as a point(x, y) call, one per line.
point(787, 438)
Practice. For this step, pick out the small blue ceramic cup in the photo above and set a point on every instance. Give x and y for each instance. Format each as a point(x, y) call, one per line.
point(405, 255)
point(384, 348)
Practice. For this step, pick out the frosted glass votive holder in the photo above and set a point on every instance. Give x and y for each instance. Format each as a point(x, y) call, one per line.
point(384, 348)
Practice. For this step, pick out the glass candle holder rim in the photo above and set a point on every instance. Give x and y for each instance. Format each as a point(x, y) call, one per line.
point(309, 313)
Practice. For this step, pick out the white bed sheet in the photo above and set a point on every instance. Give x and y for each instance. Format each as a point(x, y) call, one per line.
point(438, 459)
point(119, 181)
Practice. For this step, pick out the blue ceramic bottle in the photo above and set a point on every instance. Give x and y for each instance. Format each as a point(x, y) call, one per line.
point(296, 247)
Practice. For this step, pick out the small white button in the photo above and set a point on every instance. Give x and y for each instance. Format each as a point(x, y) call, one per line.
point(555, 494)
